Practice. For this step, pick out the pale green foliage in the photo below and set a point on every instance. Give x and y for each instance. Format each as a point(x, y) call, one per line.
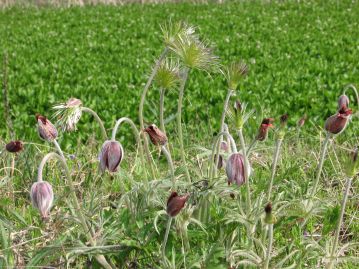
point(167, 76)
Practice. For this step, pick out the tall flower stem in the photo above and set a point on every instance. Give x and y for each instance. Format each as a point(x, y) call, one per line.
point(142, 103)
point(58, 148)
point(249, 149)
point(215, 150)
point(223, 117)
point(179, 121)
point(270, 245)
point(162, 106)
point(320, 164)
point(135, 132)
point(164, 243)
point(170, 165)
point(339, 225)
point(246, 166)
point(90, 237)
point(351, 86)
point(97, 118)
point(274, 168)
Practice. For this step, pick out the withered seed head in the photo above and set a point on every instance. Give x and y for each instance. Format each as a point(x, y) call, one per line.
point(14, 146)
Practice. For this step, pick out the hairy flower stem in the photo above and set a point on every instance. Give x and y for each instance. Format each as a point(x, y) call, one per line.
point(142, 103)
point(254, 142)
point(179, 121)
point(164, 243)
point(320, 165)
point(269, 248)
point(246, 166)
point(7, 115)
point(162, 106)
point(135, 132)
point(170, 165)
point(274, 168)
point(339, 225)
point(97, 118)
point(221, 129)
point(351, 86)
point(100, 258)
point(215, 151)
point(58, 148)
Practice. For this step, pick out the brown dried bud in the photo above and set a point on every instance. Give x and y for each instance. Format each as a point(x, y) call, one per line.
point(110, 156)
point(14, 146)
point(284, 119)
point(268, 208)
point(270, 218)
point(157, 137)
point(46, 129)
point(343, 102)
point(42, 197)
point(175, 203)
point(263, 129)
point(336, 124)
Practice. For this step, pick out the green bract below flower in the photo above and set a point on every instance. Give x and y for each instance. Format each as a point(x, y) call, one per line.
point(167, 76)
point(68, 114)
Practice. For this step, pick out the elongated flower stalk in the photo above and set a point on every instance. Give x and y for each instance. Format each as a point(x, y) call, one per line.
point(88, 232)
point(98, 119)
point(280, 136)
point(179, 121)
point(162, 108)
point(351, 86)
point(142, 103)
point(135, 132)
point(170, 165)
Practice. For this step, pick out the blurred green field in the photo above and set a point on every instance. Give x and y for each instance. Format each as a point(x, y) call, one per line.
point(300, 57)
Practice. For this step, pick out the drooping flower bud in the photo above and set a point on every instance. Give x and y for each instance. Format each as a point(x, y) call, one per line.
point(235, 169)
point(42, 197)
point(111, 155)
point(14, 146)
point(336, 124)
point(269, 216)
point(343, 102)
point(175, 203)
point(157, 137)
point(263, 129)
point(46, 129)
point(302, 121)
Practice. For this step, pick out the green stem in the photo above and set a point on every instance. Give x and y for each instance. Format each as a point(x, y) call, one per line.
point(170, 165)
point(97, 118)
point(179, 121)
point(162, 105)
point(270, 244)
point(351, 86)
point(223, 117)
point(254, 142)
point(164, 243)
point(142, 103)
point(339, 225)
point(100, 258)
point(135, 132)
point(320, 164)
point(274, 168)
point(58, 148)
point(246, 166)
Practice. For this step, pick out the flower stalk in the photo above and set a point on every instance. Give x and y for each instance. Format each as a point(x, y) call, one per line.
point(274, 167)
point(97, 118)
point(270, 245)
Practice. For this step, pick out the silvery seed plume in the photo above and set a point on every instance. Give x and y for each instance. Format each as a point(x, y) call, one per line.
point(167, 76)
point(68, 114)
point(111, 155)
point(46, 129)
point(234, 73)
point(172, 31)
point(42, 197)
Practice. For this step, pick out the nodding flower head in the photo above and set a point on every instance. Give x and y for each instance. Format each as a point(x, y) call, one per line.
point(335, 124)
point(42, 197)
point(175, 203)
point(234, 73)
point(302, 121)
point(343, 101)
point(46, 129)
point(235, 169)
point(263, 129)
point(269, 216)
point(68, 114)
point(157, 137)
point(110, 156)
point(14, 146)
